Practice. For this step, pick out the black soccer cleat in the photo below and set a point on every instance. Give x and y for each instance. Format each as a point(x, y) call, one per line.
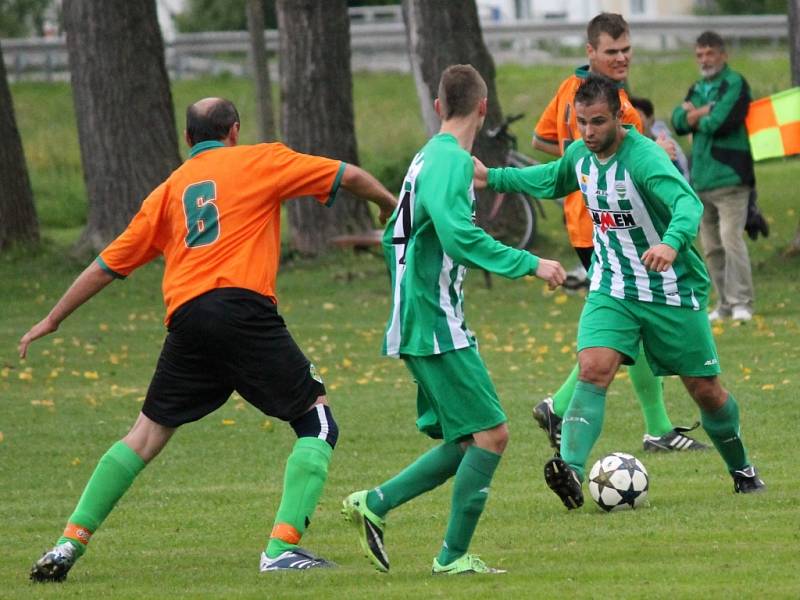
point(564, 482)
point(673, 441)
point(747, 481)
point(549, 421)
point(54, 564)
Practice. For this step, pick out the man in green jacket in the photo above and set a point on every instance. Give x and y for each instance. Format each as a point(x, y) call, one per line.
point(722, 172)
point(648, 283)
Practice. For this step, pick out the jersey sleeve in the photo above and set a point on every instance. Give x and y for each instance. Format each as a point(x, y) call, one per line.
point(450, 208)
point(664, 183)
point(551, 180)
point(296, 174)
point(141, 241)
point(546, 128)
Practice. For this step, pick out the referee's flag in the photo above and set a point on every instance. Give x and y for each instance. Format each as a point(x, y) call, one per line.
point(773, 124)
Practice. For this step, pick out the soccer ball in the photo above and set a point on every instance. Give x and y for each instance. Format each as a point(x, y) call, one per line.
point(618, 481)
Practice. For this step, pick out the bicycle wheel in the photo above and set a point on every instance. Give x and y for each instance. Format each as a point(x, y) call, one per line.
point(511, 220)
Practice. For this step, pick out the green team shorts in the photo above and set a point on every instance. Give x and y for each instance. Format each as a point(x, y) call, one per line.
point(677, 340)
point(455, 396)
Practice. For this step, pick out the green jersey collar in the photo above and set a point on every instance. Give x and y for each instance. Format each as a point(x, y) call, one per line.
point(602, 167)
point(203, 146)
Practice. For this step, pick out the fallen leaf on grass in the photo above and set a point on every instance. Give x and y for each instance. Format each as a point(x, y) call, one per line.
point(228, 422)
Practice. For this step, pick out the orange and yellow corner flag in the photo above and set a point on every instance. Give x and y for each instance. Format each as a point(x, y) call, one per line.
point(773, 124)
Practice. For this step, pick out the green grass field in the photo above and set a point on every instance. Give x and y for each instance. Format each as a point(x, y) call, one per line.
point(195, 521)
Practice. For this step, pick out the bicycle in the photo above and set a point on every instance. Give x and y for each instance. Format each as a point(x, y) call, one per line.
point(512, 217)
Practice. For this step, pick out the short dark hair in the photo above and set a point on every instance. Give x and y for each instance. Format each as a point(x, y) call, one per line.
point(644, 105)
point(213, 123)
point(461, 88)
point(611, 23)
point(710, 39)
point(599, 88)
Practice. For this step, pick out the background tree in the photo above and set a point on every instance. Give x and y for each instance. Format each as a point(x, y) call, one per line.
point(740, 7)
point(258, 56)
point(124, 109)
point(317, 111)
point(221, 15)
point(21, 18)
point(441, 33)
point(794, 53)
point(18, 221)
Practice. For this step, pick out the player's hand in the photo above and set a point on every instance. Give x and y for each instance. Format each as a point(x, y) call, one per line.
point(668, 145)
point(659, 258)
point(41, 329)
point(687, 106)
point(552, 272)
point(481, 175)
point(387, 208)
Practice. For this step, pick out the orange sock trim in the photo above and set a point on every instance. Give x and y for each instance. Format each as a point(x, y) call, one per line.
point(77, 533)
point(285, 533)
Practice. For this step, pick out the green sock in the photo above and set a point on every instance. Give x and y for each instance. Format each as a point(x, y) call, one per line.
point(430, 470)
point(649, 389)
point(303, 480)
point(112, 476)
point(582, 425)
point(470, 491)
point(722, 426)
point(564, 394)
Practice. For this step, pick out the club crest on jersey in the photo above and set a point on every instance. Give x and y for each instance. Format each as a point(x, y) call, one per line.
point(583, 181)
point(612, 219)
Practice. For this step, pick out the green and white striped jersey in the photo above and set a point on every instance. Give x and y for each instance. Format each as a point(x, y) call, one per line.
point(637, 199)
point(429, 241)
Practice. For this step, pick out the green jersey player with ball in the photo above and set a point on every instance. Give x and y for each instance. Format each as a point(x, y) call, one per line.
point(647, 282)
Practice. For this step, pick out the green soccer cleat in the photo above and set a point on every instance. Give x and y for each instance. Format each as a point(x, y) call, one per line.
point(469, 564)
point(370, 529)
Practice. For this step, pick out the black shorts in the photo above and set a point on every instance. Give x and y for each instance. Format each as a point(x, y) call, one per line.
point(225, 340)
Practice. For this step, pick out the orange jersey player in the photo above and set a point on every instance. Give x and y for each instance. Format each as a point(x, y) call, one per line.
point(216, 221)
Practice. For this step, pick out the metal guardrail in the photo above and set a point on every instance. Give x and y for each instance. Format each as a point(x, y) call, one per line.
point(382, 46)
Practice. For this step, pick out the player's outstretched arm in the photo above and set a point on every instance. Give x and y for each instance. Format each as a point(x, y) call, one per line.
point(361, 183)
point(552, 272)
point(92, 280)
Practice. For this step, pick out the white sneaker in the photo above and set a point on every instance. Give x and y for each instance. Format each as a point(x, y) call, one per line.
point(715, 315)
point(742, 313)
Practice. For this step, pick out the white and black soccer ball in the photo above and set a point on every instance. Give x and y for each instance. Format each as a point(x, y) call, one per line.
point(618, 481)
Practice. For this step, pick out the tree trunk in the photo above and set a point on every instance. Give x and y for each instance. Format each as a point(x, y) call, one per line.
point(794, 53)
point(317, 111)
point(441, 33)
point(18, 221)
point(258, 56)
point(124, 109)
